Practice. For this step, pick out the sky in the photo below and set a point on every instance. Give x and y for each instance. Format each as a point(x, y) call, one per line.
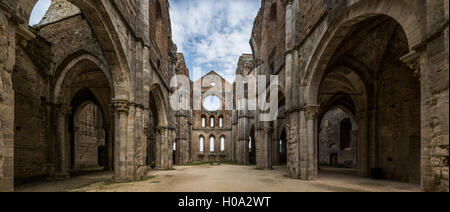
point(211, 34)
point(39, 11)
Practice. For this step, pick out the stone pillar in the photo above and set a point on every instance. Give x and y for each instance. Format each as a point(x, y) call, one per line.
point(164, 148)
point(130, 146)
point(191, 142)
point(121, 108)
point(275, 150)
point(233, 135)
point(140, 143)
point(264, 146)
point(243, 136)
point(293, 103)
point(182, 140)
point(363, 144)
point(275, 144)
point(62, 143)
point(312, 134)
point(372, 138)
point(7, 61)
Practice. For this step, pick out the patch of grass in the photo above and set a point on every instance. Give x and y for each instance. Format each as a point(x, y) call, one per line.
point(198, 163)
point(147, 178)
point(228, 163)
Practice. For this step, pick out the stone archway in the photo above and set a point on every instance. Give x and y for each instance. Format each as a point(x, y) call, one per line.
point(403, 14)
point(82, 81)
point(380, 41)
point(88, 135)
point(164, 133)
point(100, 19)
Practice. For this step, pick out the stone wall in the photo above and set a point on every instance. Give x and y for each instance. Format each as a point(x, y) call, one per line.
point(31, 120)
point(7, 57)
point(58, 10)
point(434, 69)
point(89, 139)
point(217, 132)
point(330, 140)
point(70, 38)
point(129, 11)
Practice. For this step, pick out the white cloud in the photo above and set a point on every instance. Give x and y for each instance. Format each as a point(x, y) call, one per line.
point(213, 34)
point(39, 11)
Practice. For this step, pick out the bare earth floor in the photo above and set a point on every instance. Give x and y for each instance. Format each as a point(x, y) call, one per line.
point(224, 178)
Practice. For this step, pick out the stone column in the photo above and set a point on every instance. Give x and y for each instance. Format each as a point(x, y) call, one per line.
point(191, 142)
point(293, 105)
point(120, 138)
point(140, 144)
point(7, 61)
point(372, 138)
point(130, 143)
point(275, 144)
point(264, 146)
point(234, 130)
point(62, 148)
point(311, 113)
point(163, 148)
point(243, 136)
point(182, 139)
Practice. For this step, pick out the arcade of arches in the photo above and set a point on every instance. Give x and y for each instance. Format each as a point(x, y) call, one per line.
point(362, 84)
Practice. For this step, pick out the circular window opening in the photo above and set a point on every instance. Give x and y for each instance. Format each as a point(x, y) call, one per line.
point(212, 103)
point(213, 84)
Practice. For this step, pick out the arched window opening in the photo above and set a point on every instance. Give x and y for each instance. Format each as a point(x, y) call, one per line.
point(203, 121)
point(222, 144)
point(281, 146)
point(213, 120)
point(211, 144)
point(202, 144)
point(250, 144)
point(346, 133)
point(221, 122)
point(89, 146)
point(174, 146)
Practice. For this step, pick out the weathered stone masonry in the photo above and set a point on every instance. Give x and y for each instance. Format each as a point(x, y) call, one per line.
point(384, 62)
point(116, 56)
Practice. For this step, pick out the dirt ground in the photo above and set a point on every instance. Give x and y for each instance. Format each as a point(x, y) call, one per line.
point(223, 178)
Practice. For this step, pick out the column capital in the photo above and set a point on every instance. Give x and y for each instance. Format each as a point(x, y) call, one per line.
point(311, 112)
point(121, 105)
point(412, 60)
